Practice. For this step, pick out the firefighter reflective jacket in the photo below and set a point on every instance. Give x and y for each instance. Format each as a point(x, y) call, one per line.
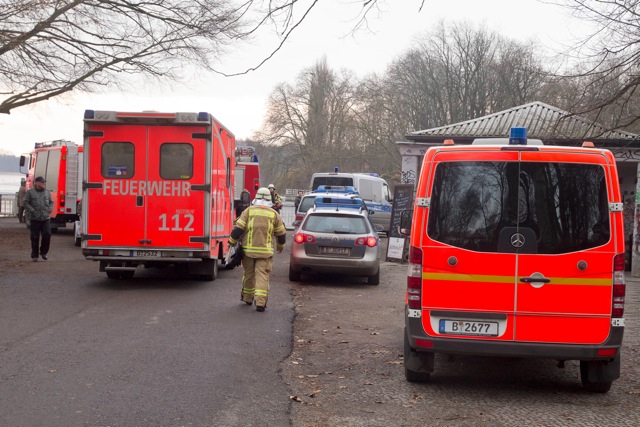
point(257, 227)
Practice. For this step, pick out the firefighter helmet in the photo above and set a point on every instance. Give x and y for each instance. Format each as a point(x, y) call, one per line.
point(263, 193)
point(271, 186)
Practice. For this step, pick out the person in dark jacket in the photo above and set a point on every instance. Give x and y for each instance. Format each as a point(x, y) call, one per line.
point(38, 205)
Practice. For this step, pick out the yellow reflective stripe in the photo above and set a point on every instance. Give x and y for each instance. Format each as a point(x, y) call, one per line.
point(262, 212)
point(240, 223)
point(261, 293)
point(257, 249)
point(467, 277)
point(565, 281)
point(248, 290)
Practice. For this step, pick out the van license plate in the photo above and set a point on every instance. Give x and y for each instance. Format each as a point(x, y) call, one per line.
point(146, 253)
point(334, 251)
point(467, 327)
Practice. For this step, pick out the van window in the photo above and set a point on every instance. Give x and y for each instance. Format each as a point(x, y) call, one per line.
point(563, 206)
point(331, 180)
point(117, 160)
point(176, 161)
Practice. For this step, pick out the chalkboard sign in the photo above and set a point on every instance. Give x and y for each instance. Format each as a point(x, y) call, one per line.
point(402, 200)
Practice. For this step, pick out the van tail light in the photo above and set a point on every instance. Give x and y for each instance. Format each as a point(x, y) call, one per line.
point(414, 279)
point(619, 286)
point(304, 238)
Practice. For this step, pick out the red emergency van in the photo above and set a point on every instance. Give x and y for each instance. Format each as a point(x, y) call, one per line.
point(517, 250)
point(158, 190)
point(60, 163)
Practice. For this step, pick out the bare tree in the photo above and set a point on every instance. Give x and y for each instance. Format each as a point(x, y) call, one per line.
point(50, 47)
point(313, 117)
point(609, 60)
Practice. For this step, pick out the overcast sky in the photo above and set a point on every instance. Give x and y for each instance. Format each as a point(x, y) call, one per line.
point(239, 102)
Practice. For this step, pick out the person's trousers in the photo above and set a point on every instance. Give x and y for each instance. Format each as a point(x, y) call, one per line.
point(255, 279)
point(40, 228)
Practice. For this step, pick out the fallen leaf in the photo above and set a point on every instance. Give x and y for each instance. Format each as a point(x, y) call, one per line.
point(295, 398)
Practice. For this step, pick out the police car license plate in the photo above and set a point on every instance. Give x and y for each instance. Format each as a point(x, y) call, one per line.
point(468, 327)
point(334, 251)
point(145, 253)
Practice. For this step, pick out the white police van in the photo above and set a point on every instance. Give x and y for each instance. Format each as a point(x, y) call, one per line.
point(373, 190)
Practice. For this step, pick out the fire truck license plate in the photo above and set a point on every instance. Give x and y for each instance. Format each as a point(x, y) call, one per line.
point(467, 327)
point(145, 253)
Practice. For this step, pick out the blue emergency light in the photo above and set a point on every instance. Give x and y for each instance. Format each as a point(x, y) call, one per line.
point(518, 136)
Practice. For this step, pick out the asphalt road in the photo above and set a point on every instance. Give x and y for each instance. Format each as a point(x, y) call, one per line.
point(78, 349)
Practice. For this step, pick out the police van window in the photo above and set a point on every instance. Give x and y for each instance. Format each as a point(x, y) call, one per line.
point(365, 188)
point(560, 205)
point(176, 161)
point(331, 180)
point(117, 160)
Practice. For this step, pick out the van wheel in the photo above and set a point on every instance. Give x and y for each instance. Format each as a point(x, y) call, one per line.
point(592, 386)
point(411, 375)
point(294, 276)
point(375, 279)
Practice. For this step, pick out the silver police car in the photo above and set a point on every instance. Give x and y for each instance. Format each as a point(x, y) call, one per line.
point(336, 239)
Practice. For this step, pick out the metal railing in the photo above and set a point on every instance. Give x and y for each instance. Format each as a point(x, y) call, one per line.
point(8, 205)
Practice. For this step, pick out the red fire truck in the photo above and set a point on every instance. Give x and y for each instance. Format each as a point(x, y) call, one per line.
point(60, 163)
point(157, 190)
point(247, 176)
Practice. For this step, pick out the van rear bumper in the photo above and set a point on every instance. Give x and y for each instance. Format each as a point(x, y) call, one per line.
point(476, 347)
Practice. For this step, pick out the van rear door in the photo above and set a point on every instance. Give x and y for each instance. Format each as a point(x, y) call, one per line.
point(468, 287)
point(564, 282)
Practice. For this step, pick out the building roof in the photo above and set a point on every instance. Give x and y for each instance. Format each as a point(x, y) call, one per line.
point(550, 124)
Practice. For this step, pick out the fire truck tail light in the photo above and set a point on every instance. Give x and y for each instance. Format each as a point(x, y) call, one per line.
point(414, 279)
point(62, 201)
point(619, 287)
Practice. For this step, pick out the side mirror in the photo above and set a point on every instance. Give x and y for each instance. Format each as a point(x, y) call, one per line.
point(379, 228)
point(406, 217)
point(371, 212)
point(23, 161)
point(296, 223)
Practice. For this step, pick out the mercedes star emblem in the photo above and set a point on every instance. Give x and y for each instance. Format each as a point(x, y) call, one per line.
point(517, 240)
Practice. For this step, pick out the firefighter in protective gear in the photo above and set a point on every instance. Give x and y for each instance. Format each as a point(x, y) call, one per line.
point(256, 228)
point(276, 200)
